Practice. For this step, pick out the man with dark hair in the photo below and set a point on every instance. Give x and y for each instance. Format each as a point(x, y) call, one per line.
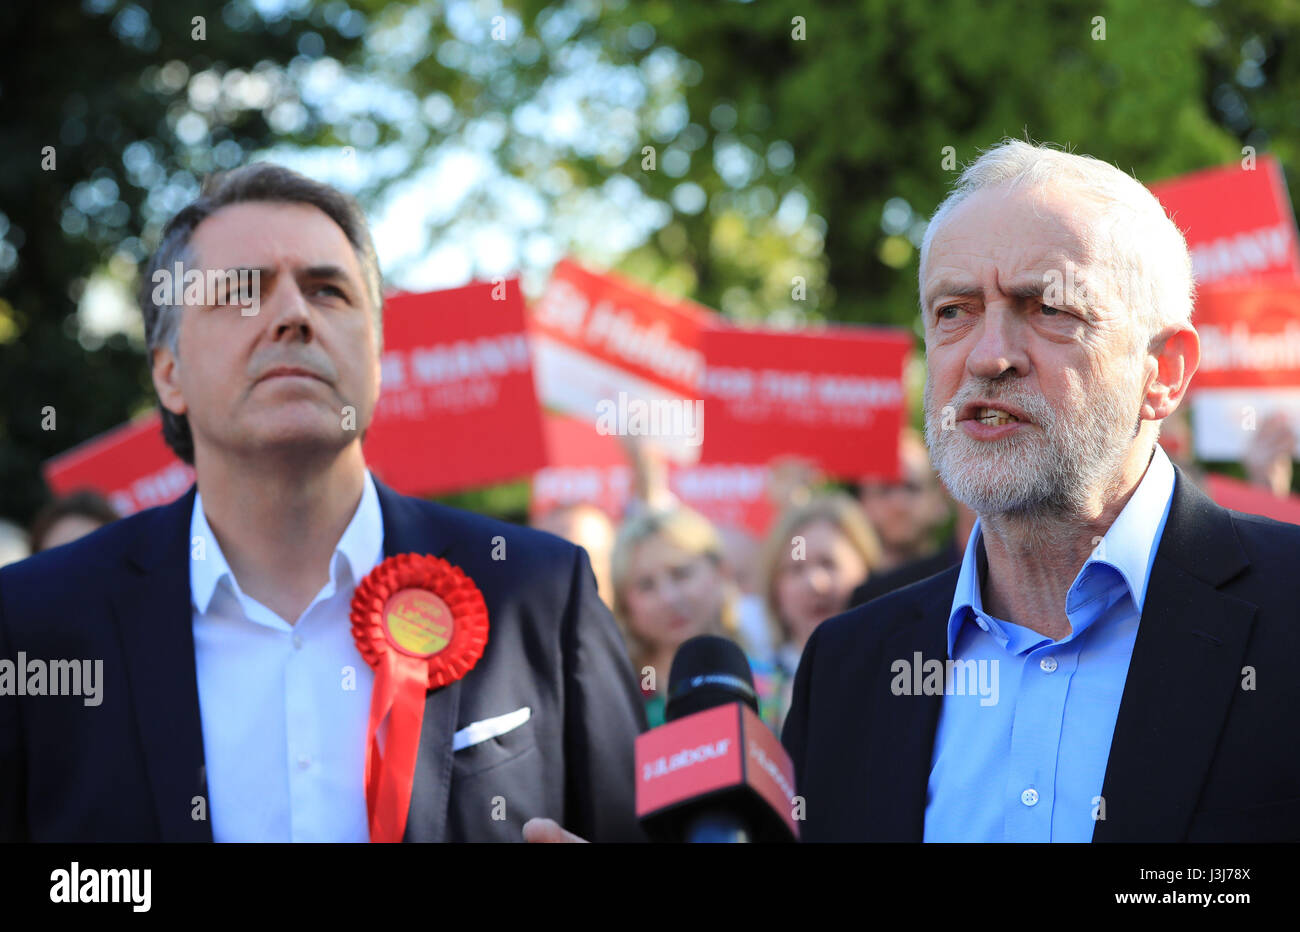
point(268, 184)
point(234, 700)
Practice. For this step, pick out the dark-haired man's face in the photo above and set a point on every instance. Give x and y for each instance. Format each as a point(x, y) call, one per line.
point(299, 377)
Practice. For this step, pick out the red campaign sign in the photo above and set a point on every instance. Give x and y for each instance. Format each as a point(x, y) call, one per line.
point(583, 467)
point(1252, 499)
point(458, 408)
point(1238, 221)
point(833, 396)
point(131, 465)
point(588, 467)
point(1250, 338)
point(728, 494)
point(598, 338)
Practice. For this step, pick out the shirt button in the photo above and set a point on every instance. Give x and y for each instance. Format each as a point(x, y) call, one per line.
point(984, 624)
point(297, 641)
point(1047, 664)
point(1029, 797)
point(304, 762)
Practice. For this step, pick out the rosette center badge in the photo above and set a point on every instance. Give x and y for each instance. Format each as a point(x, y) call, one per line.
point(418, 623)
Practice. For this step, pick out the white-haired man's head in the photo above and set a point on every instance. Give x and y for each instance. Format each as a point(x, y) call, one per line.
point(1053, 287)
point(1149, 255)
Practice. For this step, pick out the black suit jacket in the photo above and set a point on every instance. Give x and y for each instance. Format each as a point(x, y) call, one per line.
point(1194, 755)
point(129, 768)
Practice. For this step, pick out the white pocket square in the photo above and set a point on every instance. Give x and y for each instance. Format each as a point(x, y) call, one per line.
point(477, 732)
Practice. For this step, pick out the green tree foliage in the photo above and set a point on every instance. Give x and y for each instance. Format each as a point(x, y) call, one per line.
point(136, 110)
point(877, 92)
point(791, 142)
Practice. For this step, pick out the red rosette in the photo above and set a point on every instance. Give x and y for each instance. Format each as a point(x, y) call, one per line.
point(420, 623)
point(410, 571)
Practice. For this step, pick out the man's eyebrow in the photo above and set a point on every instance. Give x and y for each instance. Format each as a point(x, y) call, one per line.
point(309, 271)
point(325, 271)
point(1026, 290)
point(951, 289)
point(1023, 290)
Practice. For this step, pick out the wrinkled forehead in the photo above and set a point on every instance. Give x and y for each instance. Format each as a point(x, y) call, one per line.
point(1018, 233)
point(268, 234)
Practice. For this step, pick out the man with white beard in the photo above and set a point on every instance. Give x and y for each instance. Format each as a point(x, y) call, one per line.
point(1111, 660)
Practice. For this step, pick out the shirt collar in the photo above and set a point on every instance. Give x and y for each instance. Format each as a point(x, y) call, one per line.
point(1128, 547)
point(358, 550)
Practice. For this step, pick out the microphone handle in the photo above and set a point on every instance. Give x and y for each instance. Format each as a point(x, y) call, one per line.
point(717, 826)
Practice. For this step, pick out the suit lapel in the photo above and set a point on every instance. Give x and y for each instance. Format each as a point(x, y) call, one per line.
point(903, 728)
point(407, 529)
point(151, 602)
point(1184, 672)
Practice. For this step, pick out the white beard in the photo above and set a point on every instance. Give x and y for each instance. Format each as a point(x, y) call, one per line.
point(1053, 467)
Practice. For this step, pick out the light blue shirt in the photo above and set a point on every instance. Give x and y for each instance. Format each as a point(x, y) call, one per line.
point(284, 706)
point(1029, 765)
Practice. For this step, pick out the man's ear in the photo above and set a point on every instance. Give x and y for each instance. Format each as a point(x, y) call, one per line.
point(1177, 355)
point(166, 380)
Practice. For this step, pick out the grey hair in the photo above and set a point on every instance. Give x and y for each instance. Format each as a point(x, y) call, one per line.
point(1148, 253)
point(260, 181)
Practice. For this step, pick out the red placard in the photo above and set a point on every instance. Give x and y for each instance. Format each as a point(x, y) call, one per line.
point(130, 464)
point(728, 494)
point(833, 396)
point(1238, 221)
point(583, 467)
point(599, 339)
point(1243, 496)
point(1250, 337)
point(458, 407)
point(603, 316)
point(588, 467)
point(1250, 366)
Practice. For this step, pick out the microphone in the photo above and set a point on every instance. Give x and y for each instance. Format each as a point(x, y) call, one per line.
point(713, 772)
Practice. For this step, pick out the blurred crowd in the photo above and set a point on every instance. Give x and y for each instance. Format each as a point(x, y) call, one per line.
point(668, 574)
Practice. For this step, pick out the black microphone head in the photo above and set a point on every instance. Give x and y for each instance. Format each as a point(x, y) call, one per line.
point(708, 671)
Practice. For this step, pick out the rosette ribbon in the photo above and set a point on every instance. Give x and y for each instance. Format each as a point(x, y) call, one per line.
point(420, 623)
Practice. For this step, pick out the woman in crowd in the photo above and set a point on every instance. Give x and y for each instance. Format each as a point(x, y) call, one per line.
point(670, 584)
point(815, 556)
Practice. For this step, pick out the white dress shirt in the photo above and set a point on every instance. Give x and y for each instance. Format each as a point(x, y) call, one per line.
point(284, 706)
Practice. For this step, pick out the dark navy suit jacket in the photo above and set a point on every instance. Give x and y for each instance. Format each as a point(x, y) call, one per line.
point(1197, 753)
point(129, 768)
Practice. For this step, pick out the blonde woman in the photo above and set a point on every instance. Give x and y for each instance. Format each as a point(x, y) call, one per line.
point(815, 556)
point(670, 584)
